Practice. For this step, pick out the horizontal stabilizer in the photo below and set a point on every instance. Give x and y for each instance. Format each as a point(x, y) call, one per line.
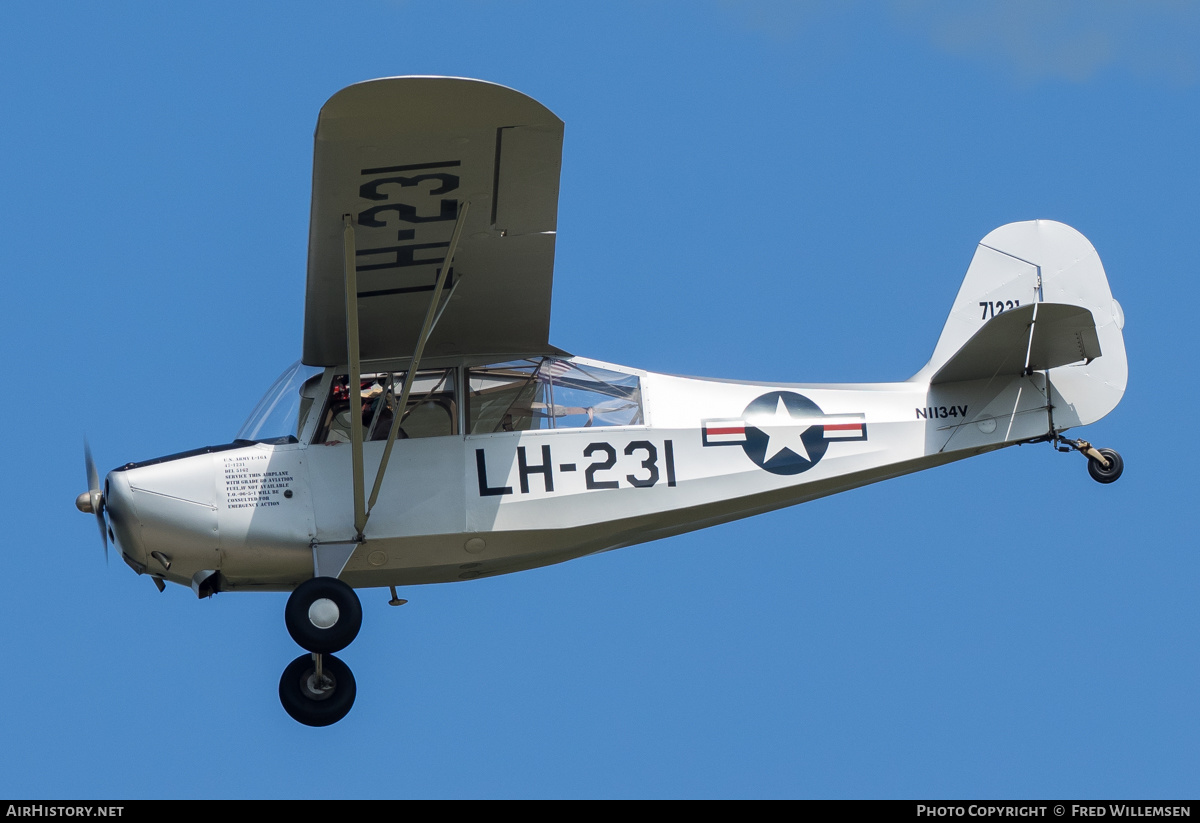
point(1033, 337)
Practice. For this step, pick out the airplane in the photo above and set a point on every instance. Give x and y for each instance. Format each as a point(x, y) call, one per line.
point(430, 433)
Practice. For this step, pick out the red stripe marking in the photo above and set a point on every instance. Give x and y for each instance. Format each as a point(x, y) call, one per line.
point(734, 430)
point(843, 427)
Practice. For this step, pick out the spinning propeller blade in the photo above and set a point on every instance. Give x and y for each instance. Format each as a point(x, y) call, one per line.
point(92, 501)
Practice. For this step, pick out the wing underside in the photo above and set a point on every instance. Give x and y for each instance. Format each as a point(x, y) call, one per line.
point(401, 155)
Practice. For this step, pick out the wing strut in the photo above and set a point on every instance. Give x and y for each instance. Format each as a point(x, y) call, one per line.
point(362, 510)
point(355, 383)
point(431, 318)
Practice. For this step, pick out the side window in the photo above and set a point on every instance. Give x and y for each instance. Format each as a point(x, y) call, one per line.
point(431, 410)
point(550, 393)
point(503, 397)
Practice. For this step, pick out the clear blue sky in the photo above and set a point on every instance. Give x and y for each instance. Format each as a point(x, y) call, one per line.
point(775, 191)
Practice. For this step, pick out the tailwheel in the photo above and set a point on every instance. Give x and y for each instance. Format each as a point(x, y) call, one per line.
point(317, 689)
point(1102, 473)
point(323, 615)
point(1104, 465)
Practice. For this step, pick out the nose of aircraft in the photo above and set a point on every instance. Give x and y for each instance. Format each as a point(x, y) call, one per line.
point(113, 509)
point(122, 520)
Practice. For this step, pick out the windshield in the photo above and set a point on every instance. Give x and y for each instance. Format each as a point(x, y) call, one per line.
point(282, 410)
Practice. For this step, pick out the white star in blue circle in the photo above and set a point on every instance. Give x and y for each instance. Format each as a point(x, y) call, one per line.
point(782, 433)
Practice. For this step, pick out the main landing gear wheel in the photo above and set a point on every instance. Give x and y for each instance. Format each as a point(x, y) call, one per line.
point(1106, 474)
point(317, 690)
point(323, 615)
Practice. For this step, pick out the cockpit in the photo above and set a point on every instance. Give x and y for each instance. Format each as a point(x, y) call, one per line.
point(528, 394)
point(431, 410)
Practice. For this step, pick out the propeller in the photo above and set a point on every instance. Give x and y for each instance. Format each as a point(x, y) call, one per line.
point(92, 500)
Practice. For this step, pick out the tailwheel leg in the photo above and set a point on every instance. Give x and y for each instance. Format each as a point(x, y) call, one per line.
point(1104, 465)
point(317, 689)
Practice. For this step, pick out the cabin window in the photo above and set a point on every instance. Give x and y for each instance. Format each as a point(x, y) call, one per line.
point(281, 414)
point(550, 393)
point(431, 410)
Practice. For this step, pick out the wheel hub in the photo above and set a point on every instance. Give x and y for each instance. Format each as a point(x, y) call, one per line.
point(323, 613)
point(318, 686)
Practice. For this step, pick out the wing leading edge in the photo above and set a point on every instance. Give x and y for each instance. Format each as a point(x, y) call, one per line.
point(401, 155)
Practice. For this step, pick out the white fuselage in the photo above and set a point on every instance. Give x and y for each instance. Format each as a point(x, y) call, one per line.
point(458, 507)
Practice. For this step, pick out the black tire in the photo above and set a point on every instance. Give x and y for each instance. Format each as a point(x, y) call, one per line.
point(1109, 475)
point(323, 640)
point(312, 708)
